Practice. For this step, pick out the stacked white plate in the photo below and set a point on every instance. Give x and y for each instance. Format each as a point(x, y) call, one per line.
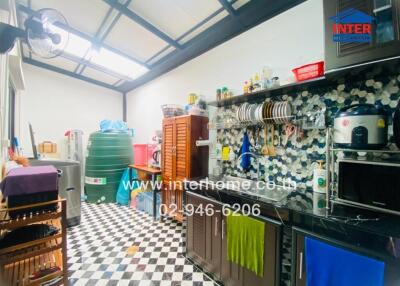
point(278, 112)
point(281, 112)
point(250, 113)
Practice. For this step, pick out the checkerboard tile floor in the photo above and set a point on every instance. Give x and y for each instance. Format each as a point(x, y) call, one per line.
point(97, 250)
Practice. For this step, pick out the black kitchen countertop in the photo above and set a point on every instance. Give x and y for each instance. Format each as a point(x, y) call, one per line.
point(375, 231)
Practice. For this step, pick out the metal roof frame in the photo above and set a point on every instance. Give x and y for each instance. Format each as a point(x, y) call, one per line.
point(91, 39)
point(100, 36)
point(239, 21)
point(142, 22)
point(228, 7)
point(248, 16)
point(69, 73)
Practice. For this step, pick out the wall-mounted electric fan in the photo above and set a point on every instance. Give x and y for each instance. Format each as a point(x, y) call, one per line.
point(46, 33)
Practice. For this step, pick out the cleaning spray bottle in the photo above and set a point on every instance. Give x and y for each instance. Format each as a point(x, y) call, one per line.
point(319, 188)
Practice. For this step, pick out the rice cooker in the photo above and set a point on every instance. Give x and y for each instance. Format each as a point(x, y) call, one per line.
point(360, 126)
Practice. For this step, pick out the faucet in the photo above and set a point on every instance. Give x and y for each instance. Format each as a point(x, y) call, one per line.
point(257, 157)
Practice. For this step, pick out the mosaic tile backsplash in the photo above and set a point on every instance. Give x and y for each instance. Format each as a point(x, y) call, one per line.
point(297, 159)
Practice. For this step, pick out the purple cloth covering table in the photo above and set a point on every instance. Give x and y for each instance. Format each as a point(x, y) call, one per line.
point(30, 180)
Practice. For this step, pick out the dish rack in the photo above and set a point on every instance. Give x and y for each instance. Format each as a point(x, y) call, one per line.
point(19, 261)
point(234, 124)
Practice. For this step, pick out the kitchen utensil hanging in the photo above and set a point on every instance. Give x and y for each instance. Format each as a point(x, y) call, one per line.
point(264, 149)
point(271, 147)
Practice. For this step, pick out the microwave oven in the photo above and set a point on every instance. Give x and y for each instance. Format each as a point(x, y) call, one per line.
point(370, 184)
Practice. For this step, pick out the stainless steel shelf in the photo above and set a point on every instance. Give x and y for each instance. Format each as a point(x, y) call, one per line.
point(366, 151)
point(242, 124)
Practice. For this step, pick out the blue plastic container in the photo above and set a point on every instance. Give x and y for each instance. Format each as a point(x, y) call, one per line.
point(145, 203)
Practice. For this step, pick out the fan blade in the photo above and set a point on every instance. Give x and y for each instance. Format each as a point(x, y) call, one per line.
point(35, 25)
point(8, 36)
point(55, 38)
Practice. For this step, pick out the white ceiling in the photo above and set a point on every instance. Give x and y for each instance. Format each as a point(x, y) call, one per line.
point(58, 62)
point(83, 15)
point(134, 39)
point(98, 75)
point(173, 17)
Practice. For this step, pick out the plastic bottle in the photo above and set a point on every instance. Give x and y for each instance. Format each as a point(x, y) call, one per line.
point(219, 94)
point(246, 87)
point(257, 82)
point(251, 85)
point(224, 92)
point(319, 178)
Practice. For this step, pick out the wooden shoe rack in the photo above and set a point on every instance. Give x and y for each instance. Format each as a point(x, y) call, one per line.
point(19, 261)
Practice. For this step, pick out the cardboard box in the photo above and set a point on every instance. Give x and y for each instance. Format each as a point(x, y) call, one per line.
point(47, 147)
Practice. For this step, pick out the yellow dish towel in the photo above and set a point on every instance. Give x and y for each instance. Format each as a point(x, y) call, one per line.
point(245, 238)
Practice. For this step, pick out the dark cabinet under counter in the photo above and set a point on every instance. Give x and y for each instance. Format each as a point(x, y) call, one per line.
point(391, 275)
point(206, 245)
point(384, 29)
point(204, 235)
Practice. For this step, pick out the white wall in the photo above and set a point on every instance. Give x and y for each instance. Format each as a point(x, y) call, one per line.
point(54, 103)
point(288, 40)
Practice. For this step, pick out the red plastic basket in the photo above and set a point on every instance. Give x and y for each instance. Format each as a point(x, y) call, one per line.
point(309, 71)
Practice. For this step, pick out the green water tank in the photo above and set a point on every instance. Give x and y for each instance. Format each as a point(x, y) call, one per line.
point(108, 155)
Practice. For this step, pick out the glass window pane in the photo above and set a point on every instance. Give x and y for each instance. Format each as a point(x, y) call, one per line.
point(384, 21)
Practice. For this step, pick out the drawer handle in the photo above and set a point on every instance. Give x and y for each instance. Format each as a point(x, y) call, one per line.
point(223, 229)
point(216, 227)
point(301, 266)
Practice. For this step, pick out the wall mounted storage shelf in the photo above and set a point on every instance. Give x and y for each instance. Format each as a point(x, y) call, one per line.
point(358, 72)
point(258, 96)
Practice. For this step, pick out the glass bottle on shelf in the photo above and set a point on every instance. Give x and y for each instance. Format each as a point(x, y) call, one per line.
point(246, 87)
point(219, 94)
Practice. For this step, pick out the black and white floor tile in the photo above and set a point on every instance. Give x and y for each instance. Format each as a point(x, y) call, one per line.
point(97, 250)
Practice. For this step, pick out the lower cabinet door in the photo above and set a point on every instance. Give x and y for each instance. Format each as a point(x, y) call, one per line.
point(271, 259)
point(168, 198)
point(196, 232)
point(213, 240)
point(235, 275)
point(299, 267)
point(179, 204)
point(231, 273)
point(299, 270)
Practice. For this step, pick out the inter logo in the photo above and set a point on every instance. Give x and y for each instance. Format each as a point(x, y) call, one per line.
point(352, 26)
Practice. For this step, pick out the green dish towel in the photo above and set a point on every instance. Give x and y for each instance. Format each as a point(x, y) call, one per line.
point(245, 238)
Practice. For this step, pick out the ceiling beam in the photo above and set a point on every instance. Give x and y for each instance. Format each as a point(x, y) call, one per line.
point(87, 37)
point(68, 73)
point(142, 22)
point(104, 30)
point(250, 15)
point(103, 22)
point(228, 7)
point(94, 66)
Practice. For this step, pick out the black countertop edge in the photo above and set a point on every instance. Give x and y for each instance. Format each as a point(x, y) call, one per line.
point(370, 230)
